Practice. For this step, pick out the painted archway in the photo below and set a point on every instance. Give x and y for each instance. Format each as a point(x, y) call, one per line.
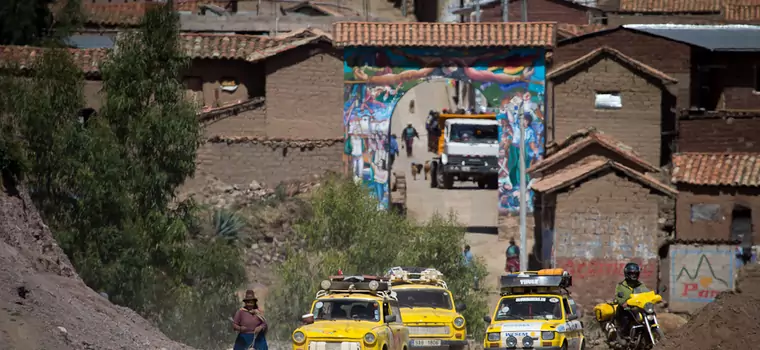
point(377, 77)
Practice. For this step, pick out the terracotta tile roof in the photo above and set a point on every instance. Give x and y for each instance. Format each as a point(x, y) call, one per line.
point(619, 56)
point(670, 6)
point(566, 30)
point(741, 11)
point(717, 169)
point(327, 10)
point(250, 48)
point(130, 14)
point(23, 57)
point(518, 34)
point(580, 140)
point(571, 175)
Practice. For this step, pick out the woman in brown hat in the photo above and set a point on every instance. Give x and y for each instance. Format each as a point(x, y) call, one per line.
point(250, 324)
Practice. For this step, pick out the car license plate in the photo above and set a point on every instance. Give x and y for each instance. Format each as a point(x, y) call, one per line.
point(426, 342)
point(465, 168)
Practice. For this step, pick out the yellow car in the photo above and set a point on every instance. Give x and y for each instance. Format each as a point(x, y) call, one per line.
point(353, 313)
point(428, 308)
point(535, 312)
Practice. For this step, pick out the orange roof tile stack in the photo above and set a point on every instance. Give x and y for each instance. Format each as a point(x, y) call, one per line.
point(420, 34)
point(717, 169)
point(670, 6)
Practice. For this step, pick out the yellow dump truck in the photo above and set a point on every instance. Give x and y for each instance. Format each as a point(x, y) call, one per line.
point(466, 148)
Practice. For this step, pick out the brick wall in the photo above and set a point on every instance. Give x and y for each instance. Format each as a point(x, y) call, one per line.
point(726, 197)
point(731, 82)
point(538, 11)
point(637, 123)
point(672, 58)
point(305, 93)
point(601, 225)
point(250, 123)
point(205, 76)
point(241, 163)
point(719, 135)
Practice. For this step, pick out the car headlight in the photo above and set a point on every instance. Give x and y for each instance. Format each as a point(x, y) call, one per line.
point(649, 308)
point(511, 341)
point(299, 337)
point(547, 335)
point(459, 322)
point(369, 338)
point(495, 336)
point(527, 342)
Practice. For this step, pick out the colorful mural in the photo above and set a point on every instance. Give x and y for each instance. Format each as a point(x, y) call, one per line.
point(512, 81)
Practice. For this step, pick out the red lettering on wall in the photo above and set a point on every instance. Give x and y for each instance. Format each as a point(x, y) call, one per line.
point(690, 288)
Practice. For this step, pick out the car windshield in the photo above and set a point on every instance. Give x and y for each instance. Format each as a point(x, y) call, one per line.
point(346, 309)
point(435, 298)
point(474, 133)
point(529, 308)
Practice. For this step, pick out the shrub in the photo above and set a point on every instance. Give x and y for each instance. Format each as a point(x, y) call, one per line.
point(346, 231)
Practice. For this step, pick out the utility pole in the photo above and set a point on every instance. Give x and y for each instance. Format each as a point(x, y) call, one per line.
point(523, 192)
point(524, 10)
point(477, 11)
point(505, 10)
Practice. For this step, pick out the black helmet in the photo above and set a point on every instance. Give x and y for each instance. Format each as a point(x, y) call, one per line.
point(631, 271)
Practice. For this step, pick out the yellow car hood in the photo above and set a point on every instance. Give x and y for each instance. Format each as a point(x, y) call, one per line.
point(427, 315)
point(338, 329)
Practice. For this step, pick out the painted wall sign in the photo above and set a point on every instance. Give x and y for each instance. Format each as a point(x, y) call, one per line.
point(375, 79)
point(699, 273)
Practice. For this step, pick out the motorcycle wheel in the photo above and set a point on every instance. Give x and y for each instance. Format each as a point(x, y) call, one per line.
point(660, 335)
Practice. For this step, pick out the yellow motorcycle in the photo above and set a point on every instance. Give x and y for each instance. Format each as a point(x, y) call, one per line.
point(644, 331)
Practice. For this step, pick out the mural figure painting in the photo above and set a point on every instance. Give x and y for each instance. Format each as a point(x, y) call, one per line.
point(512, 81)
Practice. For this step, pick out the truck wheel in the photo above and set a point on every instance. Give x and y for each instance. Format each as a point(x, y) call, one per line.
point(448, 181)
point(439, 179)
point(482, 184)
point(434, 176)
point(494, 182)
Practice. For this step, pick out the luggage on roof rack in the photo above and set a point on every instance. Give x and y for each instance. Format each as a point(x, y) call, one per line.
point(536, 281)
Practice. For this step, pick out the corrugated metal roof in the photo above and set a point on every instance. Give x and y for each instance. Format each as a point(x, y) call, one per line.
point(711, 37)
point(85, 41)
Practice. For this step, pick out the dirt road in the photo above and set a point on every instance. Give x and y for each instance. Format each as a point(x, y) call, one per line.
point(474, 207)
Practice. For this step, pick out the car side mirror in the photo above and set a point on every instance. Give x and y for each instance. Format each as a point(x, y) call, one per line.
point(461, 307)
point(390, 318)
point(572, 317)
point(487, 319)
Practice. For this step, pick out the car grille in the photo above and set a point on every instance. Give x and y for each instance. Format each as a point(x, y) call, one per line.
point(334, 345)
point(436, 330)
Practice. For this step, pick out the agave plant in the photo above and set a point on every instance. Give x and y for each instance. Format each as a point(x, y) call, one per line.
point(227, 224)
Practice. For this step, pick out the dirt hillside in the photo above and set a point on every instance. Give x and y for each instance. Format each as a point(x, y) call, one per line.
point(727, 323)
point(43, 302)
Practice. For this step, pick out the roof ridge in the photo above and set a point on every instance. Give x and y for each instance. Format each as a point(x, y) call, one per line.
point(638, 65)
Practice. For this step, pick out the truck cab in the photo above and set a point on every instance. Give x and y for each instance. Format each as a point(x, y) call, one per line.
point(535, 312)
point(467, 150)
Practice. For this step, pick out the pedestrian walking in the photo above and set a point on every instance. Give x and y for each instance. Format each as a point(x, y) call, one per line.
point(467, 256)
point(250, 324)
point(408, 136)
point(393, 151)
point(513, 257)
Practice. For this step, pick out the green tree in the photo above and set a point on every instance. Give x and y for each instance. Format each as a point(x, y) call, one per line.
point(347, 231)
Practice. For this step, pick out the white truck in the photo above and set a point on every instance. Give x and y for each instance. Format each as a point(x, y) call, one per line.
point(467, 149)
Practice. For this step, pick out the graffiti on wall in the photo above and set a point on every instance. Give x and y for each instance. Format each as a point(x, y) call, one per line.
point(512, 82)
point(699, 273)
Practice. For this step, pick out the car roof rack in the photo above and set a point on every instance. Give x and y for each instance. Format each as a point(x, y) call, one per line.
point(534, 282)
point(359, 284)
point(416, 275)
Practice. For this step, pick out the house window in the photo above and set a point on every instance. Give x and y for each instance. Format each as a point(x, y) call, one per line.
point(741, 224)
point(608, 100)
point(705, 212)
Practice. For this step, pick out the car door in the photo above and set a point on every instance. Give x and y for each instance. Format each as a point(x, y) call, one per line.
point(575, 326)
point(400, 332)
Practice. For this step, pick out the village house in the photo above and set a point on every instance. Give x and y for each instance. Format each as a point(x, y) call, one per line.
point(619, 12)
point(599, 206)
point(267, 104)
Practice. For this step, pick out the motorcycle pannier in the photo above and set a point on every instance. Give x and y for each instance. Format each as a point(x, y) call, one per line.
point(604, 312)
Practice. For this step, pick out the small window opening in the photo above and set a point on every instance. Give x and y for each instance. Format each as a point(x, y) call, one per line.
point(608, 100)
point(741, 225)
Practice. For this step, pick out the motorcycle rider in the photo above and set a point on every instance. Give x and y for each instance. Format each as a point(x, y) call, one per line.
point(623, 290)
